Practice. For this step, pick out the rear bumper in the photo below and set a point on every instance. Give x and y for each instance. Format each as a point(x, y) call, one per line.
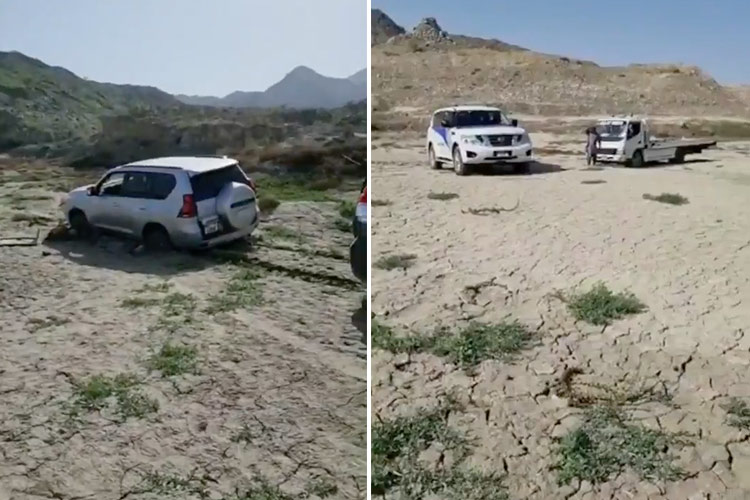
point(192, 237)
point(479, 155)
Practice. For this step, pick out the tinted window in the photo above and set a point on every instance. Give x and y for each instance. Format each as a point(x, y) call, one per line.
point(135, 185)
point(161, 185)
point(208, 185)
point(480, 118)
point(148, 185)
point(112, 184)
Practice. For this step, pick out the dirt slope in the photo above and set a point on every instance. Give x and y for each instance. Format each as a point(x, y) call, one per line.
point(428, 68)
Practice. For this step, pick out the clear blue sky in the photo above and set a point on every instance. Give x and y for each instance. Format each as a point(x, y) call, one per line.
point(714, 35)
point(207, 47)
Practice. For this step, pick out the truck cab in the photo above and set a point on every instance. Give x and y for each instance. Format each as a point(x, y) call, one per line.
point(621, 138)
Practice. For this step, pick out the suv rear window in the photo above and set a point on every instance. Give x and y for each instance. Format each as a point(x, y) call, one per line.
point(208, 184)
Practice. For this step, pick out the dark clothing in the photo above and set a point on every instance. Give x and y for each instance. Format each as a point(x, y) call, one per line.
point(593, 141)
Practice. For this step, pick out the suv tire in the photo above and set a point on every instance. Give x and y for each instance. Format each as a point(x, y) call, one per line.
point(156, 238)
point(80, 224)
point(432, 159)
point(458, 162)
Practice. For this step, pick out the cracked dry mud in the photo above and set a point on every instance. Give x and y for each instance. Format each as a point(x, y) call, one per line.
point(690, 264)
point(279, 396)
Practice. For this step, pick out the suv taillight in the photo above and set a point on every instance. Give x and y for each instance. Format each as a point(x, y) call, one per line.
point(189, 208)
point(361, 212)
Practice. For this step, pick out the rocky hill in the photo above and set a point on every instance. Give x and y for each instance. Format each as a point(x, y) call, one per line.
point(302, 88)
point(383, 28)
point(41, 103)
point(48, 111)
point(428, 67)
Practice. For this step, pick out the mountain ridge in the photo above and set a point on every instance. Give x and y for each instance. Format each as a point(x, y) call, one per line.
point(301, 88)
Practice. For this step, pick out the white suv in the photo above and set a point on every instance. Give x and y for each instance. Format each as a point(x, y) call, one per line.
point(189, 202)
point(477, 135)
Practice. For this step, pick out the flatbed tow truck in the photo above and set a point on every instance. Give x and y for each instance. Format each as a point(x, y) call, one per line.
point(628, 140)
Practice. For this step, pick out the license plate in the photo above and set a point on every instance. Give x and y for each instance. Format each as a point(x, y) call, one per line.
point(502, 153)
point(212, 227)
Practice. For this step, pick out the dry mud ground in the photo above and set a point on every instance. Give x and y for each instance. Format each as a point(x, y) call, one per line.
point(269, 402)
point(689, 264)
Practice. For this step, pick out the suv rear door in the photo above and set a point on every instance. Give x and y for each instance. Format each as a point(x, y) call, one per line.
point(207, 186)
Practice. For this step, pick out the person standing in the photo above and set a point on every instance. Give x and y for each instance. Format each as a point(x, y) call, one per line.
point(593, 141)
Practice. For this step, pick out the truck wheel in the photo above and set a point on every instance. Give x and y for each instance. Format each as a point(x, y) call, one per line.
point(458, 162)
point(679, 157)
point(434, 164)
point(637, 160)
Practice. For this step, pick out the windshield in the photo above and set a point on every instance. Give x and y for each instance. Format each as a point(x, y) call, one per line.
point(611, 129)
point(480, 118)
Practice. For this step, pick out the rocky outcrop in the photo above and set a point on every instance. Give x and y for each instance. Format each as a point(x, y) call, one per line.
point(383, 28)
point(428, 30)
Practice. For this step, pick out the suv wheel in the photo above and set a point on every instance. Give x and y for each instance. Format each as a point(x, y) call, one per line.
point(458, 162)
point(80, 224)
point(434, 164)
point(156, 239)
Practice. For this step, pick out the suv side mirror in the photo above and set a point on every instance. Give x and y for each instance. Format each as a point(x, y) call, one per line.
point(514, 122)
point(91, 191)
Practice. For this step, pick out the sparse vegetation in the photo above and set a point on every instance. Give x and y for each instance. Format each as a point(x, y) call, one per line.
point(442, 196)
point(601, 306)
point(396, 465)
point(380, 203)
point(468, 347)
point(262, 491)
point(347, 209)
point(178, 304)
point(291, 188)
point(738, 412)
point(95, 393)
point(343, 225)
point(322, 487)
point(267, 204)
point(607, 444)
point(481, 341)
point(383, 337)
point(36, 324)
point(171, 486)
point(624, 394)
point(138, 301)
point(668, 198)
point(282, 233)
point(174, 359)
point(243, 290)
point(400, 261)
